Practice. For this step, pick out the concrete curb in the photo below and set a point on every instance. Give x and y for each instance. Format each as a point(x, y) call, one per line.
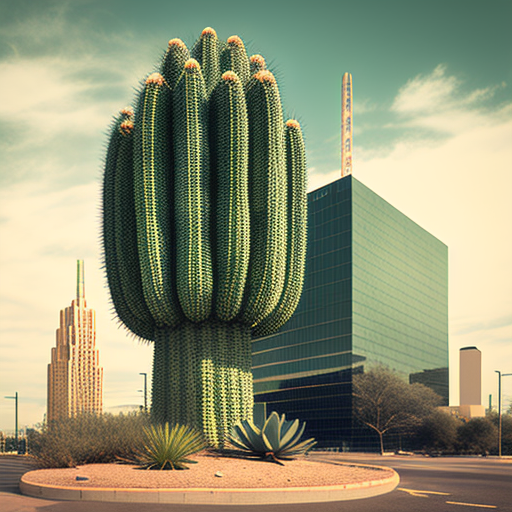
point(215, 496)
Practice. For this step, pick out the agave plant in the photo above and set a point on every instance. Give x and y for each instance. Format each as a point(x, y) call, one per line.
point(277, 439)
point(204, 226)
point(169, 449)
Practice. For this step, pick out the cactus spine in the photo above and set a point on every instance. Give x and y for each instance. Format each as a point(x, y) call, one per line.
point(204, 226)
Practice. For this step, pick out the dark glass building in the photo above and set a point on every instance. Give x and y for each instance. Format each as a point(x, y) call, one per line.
point(375, 292)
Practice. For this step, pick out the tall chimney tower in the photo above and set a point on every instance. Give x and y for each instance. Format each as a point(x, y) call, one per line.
point(470, 383)
point(346, 125)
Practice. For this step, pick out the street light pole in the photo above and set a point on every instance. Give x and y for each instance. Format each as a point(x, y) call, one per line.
point(499, 407)
point(145, 391)
point(15, 397)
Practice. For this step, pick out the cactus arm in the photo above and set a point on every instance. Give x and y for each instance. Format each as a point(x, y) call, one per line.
point(174, 60)
point(297, 231)
point(206, 52)
point(230, 158)
point(126, 229)
point(144, 328)
point(192, 190)
point(267, 196)
point(234, 58)
point(108, 206)
point(257, 63)
point(153, 173)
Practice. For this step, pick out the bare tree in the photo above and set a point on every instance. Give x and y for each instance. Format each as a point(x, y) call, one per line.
point(384, 402)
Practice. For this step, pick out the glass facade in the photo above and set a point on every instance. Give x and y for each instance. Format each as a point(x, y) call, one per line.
point(375, 292)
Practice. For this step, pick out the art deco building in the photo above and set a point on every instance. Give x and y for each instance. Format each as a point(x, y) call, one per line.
point(75, 378)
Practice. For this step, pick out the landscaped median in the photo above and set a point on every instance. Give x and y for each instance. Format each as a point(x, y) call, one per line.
point(216, 480)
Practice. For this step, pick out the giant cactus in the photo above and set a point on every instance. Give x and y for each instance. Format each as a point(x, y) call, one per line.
point(204, 226)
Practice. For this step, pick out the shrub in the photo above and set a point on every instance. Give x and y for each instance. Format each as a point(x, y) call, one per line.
point(478, 435)
point(87, 439)
point(8, 444)
point(438, 432)
point(506, 432)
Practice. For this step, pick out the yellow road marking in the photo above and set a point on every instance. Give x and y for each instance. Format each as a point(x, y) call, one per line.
point(423, 494)
point(471, 504)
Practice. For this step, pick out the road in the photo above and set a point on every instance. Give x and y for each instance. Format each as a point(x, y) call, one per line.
point(455, 484)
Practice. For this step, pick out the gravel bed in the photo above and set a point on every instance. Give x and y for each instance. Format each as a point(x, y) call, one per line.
point(234, 473)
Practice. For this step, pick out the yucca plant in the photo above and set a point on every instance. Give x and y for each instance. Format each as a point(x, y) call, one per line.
point(204, 226)
point(277, 439)
point(169, 449)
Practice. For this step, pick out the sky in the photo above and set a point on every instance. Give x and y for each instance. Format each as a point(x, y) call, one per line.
point(432, 136)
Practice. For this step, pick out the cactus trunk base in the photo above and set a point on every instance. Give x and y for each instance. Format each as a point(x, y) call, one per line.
point(202, 377)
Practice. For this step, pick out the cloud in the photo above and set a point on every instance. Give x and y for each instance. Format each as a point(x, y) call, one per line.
point(426, 93)
point(364, 107)
point(476, 327)
point(438, 92)
point(48, 101)
point(427, 110)
point(62, 83)
point(436, 102)
point(457, 187)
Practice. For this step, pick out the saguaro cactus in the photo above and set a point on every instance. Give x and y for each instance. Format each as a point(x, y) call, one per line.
point(204, 226)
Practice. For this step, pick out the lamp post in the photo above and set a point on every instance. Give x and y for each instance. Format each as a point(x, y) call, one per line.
point(15, 397)
point(499, 407)
point(145, 391)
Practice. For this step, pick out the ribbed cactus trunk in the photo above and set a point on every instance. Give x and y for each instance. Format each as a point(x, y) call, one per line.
point(203, 372)
point(204, 226)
